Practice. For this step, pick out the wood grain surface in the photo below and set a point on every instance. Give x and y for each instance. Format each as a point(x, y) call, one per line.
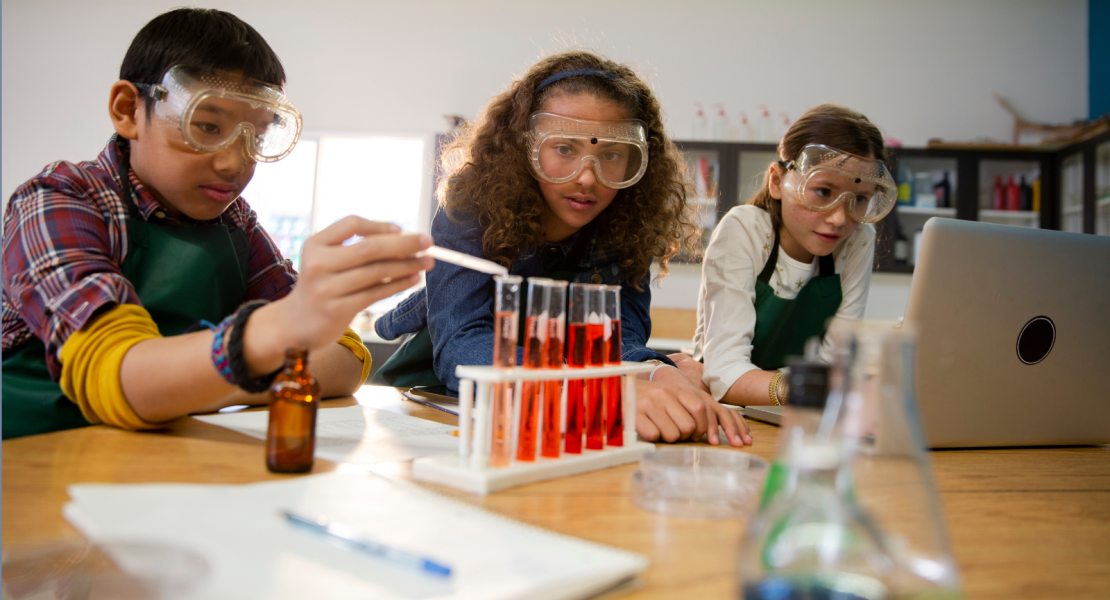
point(1023, 523)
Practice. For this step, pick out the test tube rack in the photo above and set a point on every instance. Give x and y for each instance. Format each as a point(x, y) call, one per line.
point(470, 470)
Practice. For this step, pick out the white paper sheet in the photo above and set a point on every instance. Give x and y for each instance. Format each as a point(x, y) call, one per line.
point(357, 434)
point(255, 553)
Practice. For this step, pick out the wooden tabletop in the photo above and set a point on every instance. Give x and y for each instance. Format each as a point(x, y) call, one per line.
point(1023, 523)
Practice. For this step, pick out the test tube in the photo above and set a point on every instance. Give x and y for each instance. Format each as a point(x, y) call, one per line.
point(506, 312)
point(535, 357)
point(553, 389)
point(614, 413)
point(586, 338)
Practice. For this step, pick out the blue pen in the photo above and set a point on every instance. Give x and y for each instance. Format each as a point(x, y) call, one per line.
point(351, 538)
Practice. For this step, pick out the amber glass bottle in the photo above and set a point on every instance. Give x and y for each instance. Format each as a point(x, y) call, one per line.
point(295, 396)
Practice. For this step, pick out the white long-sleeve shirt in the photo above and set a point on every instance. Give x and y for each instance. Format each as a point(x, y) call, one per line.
point(737, 253)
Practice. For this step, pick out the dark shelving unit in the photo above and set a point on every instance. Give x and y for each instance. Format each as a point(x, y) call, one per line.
point(965, 194)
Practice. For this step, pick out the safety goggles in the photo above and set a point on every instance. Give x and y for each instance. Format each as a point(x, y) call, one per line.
point(822, 178)
point(213, 109)
point(562, 147)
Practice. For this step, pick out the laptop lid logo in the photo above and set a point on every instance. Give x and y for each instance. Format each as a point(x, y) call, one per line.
point(1036, 340)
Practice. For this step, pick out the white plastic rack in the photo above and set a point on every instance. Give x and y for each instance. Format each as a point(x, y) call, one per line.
point(470, 470)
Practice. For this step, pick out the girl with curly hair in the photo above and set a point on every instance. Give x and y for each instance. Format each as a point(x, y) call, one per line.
point(778, 270)
point(530, 185)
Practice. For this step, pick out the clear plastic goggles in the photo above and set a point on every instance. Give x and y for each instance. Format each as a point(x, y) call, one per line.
point(617, 151)
point(213, 109)
point(822, 178)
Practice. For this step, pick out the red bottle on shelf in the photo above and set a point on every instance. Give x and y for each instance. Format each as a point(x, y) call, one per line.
point(999, 194)
point(1013, 195)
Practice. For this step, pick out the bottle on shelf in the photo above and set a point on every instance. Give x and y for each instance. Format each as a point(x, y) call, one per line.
point(704, 182)
point(719, 129)
point(923, 194)
point(698, 131)
point(294, 398)
point(999, 194)
point(901, 244)
point(1013, 195)
point(764, 125)
point(1035, 193)
point(783, 126)
point(1025, 195)
point(905, 184)
point(943, 191)
point(744, 131)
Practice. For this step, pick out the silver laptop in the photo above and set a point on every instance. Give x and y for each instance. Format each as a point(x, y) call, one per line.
point(1013, 335)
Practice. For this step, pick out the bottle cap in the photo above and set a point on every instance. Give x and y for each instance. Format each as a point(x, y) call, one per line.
point(809, 384)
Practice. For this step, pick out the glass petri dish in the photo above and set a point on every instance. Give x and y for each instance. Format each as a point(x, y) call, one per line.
point(115, 570)
point(698, 482)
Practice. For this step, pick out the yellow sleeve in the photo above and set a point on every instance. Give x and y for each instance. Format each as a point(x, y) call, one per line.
point(91, 362)
point(353, 342)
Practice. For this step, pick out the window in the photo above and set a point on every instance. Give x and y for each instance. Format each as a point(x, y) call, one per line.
point(320, 182)
point(281, 193)
point(377, 178)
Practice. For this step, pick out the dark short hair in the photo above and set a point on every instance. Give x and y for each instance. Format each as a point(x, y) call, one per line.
point(199, 38)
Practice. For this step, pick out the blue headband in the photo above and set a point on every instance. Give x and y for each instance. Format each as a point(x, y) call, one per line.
point(574, 73)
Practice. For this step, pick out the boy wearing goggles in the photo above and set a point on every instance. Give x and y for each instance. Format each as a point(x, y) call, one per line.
point(139, 287)
point(779, 269)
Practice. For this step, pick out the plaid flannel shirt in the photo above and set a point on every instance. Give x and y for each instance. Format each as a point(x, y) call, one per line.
point(65, 239)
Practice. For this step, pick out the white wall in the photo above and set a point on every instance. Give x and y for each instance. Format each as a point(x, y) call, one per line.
point(918, 69)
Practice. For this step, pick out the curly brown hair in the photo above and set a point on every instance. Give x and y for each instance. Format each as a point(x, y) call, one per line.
point(487, 175)
point(834, 126)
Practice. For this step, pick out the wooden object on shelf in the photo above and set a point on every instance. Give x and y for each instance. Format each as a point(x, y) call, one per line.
point(1057, 134)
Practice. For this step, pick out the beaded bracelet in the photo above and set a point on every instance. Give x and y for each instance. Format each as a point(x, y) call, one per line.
point(773, 390)
point(241, 377)
point(219, 355)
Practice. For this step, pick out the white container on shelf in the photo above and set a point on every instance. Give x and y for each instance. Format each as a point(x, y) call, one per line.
point(765, 125)
point(923, 195)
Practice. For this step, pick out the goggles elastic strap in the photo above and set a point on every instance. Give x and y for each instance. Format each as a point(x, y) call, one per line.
point(574, 73)
point(157, 92)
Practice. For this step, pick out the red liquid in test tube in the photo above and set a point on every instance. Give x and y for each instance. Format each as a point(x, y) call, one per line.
point(553, 389)
point(597, 348)
point(576, 358)
point(614, 408)
point(504, 355)
point(586, 339)
point(530, 393)
point(553, 397)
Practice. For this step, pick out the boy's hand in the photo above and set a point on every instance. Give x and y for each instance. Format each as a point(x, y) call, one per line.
point(334, 284)
point(670, 408)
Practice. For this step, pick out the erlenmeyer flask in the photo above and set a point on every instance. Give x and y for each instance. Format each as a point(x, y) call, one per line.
point(810, 539)
point(889, 462)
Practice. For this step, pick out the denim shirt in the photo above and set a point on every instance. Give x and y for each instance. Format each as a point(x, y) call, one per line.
point(457, 308)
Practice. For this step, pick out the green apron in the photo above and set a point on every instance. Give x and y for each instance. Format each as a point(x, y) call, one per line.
point(182, 274)
point(783, 326)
